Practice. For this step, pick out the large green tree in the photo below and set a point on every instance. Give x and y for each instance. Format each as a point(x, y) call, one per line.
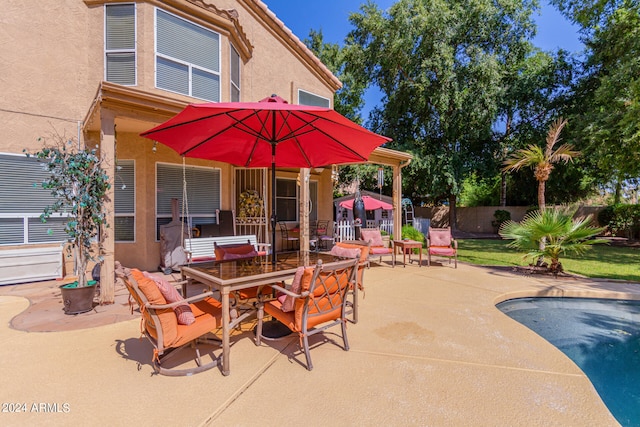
point(607, 98)
point(348, 101)
point(536, 87)
point(441, 65)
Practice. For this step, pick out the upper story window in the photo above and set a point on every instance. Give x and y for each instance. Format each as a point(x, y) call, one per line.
point(235, 75)
point(308, 98)
point(120, 43)
point(187, 58)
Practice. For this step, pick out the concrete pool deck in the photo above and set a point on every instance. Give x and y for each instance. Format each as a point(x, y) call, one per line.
point(431, 349)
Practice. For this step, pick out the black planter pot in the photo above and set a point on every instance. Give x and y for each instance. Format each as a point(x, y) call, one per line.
point(78, 300)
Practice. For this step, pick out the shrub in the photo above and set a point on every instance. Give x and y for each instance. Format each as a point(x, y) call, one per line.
point(408, 232)
point(558, 229)
point(621, 219)
point(500, 217)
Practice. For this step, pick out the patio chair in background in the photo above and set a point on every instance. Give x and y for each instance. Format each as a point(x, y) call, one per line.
point(173, 324)
point(440, 242)
point(322, 235)
point(354, 249)
point(291, 241)
point(319, 304)
point(378, 249)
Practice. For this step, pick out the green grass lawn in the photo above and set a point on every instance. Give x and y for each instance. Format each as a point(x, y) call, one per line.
point(603, 261)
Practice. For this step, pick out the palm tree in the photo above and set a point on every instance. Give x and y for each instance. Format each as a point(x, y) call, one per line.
point(562, 233)
point(542, 161)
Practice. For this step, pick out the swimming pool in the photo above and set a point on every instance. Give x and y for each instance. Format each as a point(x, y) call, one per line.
point(601, 336)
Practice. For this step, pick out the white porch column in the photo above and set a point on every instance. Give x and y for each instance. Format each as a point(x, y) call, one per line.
point(305, 174)
point(108, 154)
point(397, 203)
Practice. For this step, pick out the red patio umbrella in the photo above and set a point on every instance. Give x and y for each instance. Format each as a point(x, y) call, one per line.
point(370, 204)
point(269, 133)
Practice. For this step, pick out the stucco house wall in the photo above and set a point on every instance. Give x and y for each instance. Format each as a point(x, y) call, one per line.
point(53, 80)
point(54, 65)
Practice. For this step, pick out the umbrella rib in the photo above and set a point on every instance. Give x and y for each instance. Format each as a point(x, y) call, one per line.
point(236, 124)
point(317, 129)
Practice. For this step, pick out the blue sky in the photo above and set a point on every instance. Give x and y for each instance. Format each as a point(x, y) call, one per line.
point(331, 16)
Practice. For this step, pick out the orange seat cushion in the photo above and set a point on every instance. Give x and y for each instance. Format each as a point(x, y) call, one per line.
point(167, 317)
point(364, 254)
point(235, 251)
point(208, 314)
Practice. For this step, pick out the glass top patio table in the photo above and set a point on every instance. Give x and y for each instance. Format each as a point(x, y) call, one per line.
point(228, 276)
point(231, 272)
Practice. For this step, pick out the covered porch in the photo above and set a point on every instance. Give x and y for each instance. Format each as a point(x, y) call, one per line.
point(146, 175)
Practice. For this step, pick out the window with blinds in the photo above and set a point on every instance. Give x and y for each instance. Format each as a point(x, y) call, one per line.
point(23, 200)
point(235, 75)
point(125, 202)
point(308, 98)
point(287, 200)
point(120, 43)
point(203, 189)
point(187, 58)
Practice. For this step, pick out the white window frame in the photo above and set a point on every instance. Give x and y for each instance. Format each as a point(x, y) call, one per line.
point(190, 66)
point(118, 184)
point(191, 214)
point(233, 84)
point(315, 95)
point(312, 195)
point(116, 51)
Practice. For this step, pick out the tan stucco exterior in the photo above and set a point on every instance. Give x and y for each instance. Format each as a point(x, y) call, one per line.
point(53, 73)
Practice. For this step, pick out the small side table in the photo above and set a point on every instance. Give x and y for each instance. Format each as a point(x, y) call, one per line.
point(408, 244)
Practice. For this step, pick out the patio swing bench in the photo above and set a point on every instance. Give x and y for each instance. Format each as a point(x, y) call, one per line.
point(202, 249)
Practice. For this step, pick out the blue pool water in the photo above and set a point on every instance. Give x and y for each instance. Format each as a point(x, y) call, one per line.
point(601, 336)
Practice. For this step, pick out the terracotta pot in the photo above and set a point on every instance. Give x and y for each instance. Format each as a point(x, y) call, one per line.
point(78, 300)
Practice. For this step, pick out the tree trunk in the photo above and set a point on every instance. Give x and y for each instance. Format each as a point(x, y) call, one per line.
point(541, 206)
point(503, 175)
point(617, 195)
point(452, 212)
point(541, 201)
point(503, 189)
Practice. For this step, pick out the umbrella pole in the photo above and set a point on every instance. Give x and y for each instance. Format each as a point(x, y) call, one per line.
point(273, 204)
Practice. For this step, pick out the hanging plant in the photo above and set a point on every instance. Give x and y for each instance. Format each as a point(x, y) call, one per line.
point(251, 204)
point(79, 185)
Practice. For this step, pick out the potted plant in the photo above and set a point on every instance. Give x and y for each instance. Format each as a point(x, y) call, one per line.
point(79, 185)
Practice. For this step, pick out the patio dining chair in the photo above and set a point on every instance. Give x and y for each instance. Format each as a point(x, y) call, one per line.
point(173, 325)
point(322, 234)
point(440, 242)
point(318, 304)
point(358, 249)
point(292, 242)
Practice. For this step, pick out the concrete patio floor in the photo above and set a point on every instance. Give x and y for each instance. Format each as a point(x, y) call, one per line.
point(430, 349)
